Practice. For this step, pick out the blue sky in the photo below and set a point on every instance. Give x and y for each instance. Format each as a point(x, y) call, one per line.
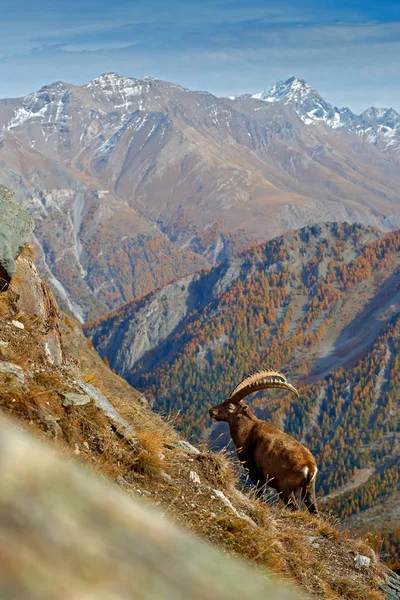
point(349, 51)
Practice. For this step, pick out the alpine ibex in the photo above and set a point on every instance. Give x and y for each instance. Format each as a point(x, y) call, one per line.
point(272, 457)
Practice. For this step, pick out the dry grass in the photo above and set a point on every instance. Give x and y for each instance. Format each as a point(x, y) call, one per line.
point(344, 586)
point(50, 380)
point(92, 377)
point(4, 306)
point(30, 322)
point(69, 322)
point(218, 469)
point(148, 461)
point(28, 252)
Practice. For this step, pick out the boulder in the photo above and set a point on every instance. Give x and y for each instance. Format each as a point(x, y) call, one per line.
point(16, 228)
point(12, 372)
point(362, 562)
point(73, 399)
point(67, 534)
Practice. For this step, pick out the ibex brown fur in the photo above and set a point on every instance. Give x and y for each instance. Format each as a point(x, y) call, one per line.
point(272, 457)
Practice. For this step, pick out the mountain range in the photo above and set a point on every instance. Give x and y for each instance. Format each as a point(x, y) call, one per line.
point(378, 126)
point(135, 183)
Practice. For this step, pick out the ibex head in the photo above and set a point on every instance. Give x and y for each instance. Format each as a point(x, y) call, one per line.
point(234, 405)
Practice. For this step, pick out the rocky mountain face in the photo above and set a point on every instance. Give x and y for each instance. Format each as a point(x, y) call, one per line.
point(16, 228)
point(134, 183)
point(63, 393)
point(322, 303)
point(378, 126)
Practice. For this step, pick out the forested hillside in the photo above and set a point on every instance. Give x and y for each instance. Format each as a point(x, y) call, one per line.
point(323, 304)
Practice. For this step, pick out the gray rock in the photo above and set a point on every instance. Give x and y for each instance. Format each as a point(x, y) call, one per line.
point(235, 511)
point(391, 587)
point(362, 562)
point(194, 478)
point(14, 372)
point(74, 399)
point(16, 228)
point(186, 447)
point(53, 348)
point(110, 411)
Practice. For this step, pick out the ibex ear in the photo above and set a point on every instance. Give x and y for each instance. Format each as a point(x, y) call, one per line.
point(243, 408)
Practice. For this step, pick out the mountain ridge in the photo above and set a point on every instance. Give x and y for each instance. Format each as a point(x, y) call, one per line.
point(138, 182)
point(379, 126)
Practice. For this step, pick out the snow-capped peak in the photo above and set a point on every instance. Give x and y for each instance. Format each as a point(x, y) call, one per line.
point(305, 100)
point(292, 89)
point(46, 105)
point(120, 91)
point(110, 79)
point(380, 126)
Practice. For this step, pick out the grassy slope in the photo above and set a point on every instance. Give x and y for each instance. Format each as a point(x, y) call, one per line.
point(308, 551)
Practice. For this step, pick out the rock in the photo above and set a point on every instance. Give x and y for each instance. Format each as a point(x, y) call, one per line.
point(3, 344)
point(391, 587)
point(12, 371)
point(18, 324)
point(235, 511)
point(110, 411)
point(313, 543)
point(74, 399)
point(143, 400)
point(194, 478)
point(16, 228)
point(37, 300)
point(362, 562)
point(186, 447)
point(53, 348)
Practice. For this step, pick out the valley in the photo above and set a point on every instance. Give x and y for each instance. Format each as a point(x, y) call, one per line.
point(134, 183)
point(322, 304)
point(99, 486)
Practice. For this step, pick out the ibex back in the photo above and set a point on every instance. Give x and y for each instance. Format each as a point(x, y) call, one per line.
point(272, 457)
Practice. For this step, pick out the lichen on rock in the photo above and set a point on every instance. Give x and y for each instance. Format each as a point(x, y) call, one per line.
point(16, 228)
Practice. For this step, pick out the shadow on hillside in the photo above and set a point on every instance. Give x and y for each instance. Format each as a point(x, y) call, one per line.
point(357, 336)
point(201, 293)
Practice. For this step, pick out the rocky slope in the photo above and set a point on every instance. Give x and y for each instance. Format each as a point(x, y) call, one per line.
point(322, 303)
point(134, 183)
point(94, 249)
point(65, 394)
